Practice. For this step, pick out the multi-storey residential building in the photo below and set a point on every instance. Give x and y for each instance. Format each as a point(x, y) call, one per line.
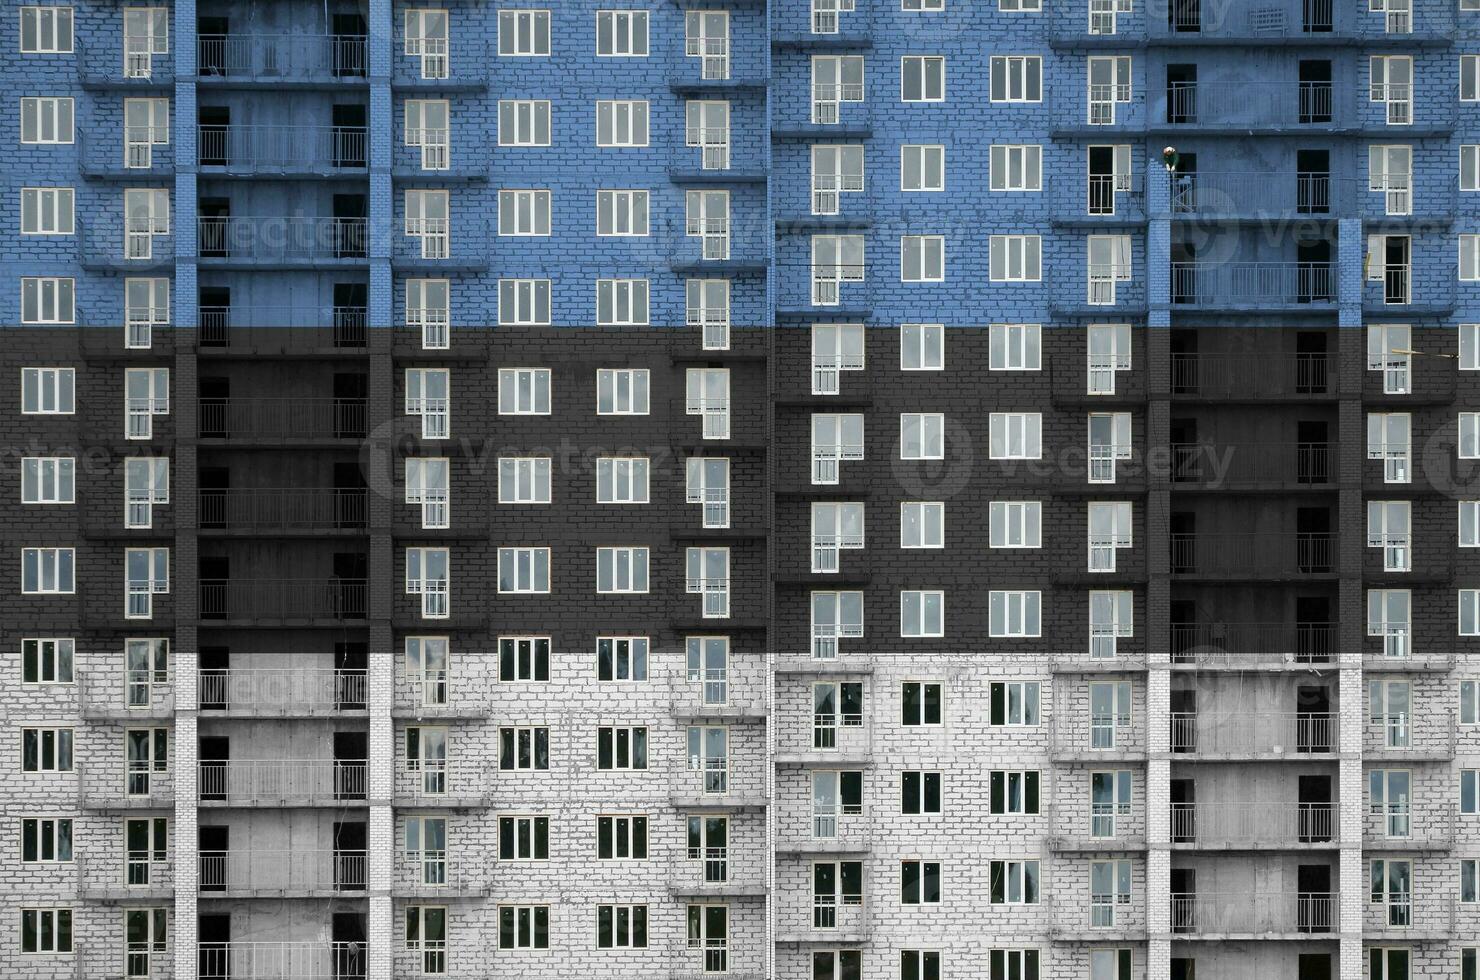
point(682, 491)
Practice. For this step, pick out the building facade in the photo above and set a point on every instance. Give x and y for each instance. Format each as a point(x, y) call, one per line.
point(436, 432)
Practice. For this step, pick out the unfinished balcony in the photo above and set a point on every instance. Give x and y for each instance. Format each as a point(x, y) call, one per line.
point(1245, 646)
point(285, 601)
point(1089, 736)
point(1100, 919)
point(282, 60)
point(1256, 826)
point(1253, 735)
point(320, 332)
point(1239, 107)
point(1227, 916)
point(442, 693)
point(1413, 917)
point(1253, 195)
point(827, 919)
point(1401, 736)
point(1253, 465)
point(1401, 826)
point(239, 874)
point(282, 782)
point(313, 960)
point(296, 151)
point(1253, 286)
point(823, 827)
point(443, 783)
point(438, 874)
point(1098, 827)
point(126, 694)
point(133, 246)
point(711, 783)
point(1271, 376)
point(282, 242)
point(717, 872)
point(1255, 556)
point(283, 511)
point(120, 786)
point(125, 876)
point(282, 421)
point(724, 695)
point(838, 739)
point(293, 692)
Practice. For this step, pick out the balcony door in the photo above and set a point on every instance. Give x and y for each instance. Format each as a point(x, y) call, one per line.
point(350, 753)
point(1317, 815)
point(349, 134)
point(212, 40)
point(1313, 720)
point(1314, 966)
point(1313, 907)
point(1313, 540)
point(215, 678)
point(215, 766)
point(348, 937)
point(351, 663)
point(1313, 629)
point(215, 135)
point(1184, 811)
point(349, 856)
point(213, 938)
point(1184, 899)
point(215, 860)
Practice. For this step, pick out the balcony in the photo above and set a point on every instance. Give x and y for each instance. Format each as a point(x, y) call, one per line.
point(717, 872)
point(1098, 919)
point(1254, 194)
point(1263, 376)
point(311, 600)
point(112, 245)
point(1253, 734)
point(440, 244)
point(733, 696)
point(1427, 736)
point(257, 331)
point(112, 787)
point(300, 151)
point(453, 64)
point(443, 783)
point(840, 739)
point(238, 873)
point(282, 419)
point(1244, 106)
point(293, 692)
point(1098, 827)
point(1410, 918)
point(438, 874)
point(1257, 825)
point(125, 694)
point(1100, 199)
point(1253, 465)
point(714, 785)
point(442, 694)
point(1260, 21)
point(824, 828)
point(1252, 285)
point(282, 60)
point(130, 875)
point(104, 65)
point(1261, 556)
point(1086, 736)
point(1404, 827)
point(1265, 915)
point(260, 510)
point(281, 242)
point(282, 782)
point(1244, 645)
point(827, 920)
point(282, 961)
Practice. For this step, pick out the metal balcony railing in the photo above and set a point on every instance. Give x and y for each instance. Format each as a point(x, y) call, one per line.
point(115, 693)
point(435, 693)
point(282, 239)
point(1271, 374)
point(1253, 19)
point(282, 57)
point(1263, 822)
point(1253, 284)
point(1108, 825)
point(1300, 553)
point(1427, 734)
point(282, 961)
point(1249, 103)
point(123, 787)
point(283, 148)
point(284, 781)
point(1411, 915)
point(282, 418)
point(282, 329)
point(836, 825)
point(1235, 644)
point(258, 509)
point(299, 872)
point(283, 691)
point(1083, 732)
point(1231, 193)
point(341, 598)
point(118, 243)
point(716, 870)
point(1255, 914)
point(1234, 464)
point(127, 873)
point(1253, 732)
point(1402, 826)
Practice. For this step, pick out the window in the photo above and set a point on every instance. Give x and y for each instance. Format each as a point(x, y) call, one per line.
point(708, 574)
point(146, 304)
point(922, 703)
point(523, 838)
point(707, 394)
point(1110, 617)
point(48, 479)
point(1389, 438)
point(429, 307)
point(427, 486)
point(621, 302)
point(426, 38)
point(621, 570)
point(523, 122)
point(1014, 882)
point(428, 575)
point(1017, 167)
point(709, 931)
point(707, 126)
point(1469, 435)
point(1390, 173)
point(834, 615)
point(835, 79)
point(1469, 956)
point(524, 748)
point(922, 436)
point(622, 838)
point(1015, 524)
point(922, 258)
point(922, 524)
point(523, 212)
point(1014, 702)
point(1392, 887)
point(1388, 529)
point(1108, 351)
point(147, 572)
point(427, 125)
point(621, 747)
point(835, 527)
point(836, 170)
point(1109, 888)
point(1389, 793)
point(1015, 435)
point(920, 792)
point(621, 927)
point(46, 120)
point(1017, 78)
point(48, 571)
point(1469, 791)
point(1109, 440)
point(524, 391)
point(707, 306)
point(1108, 261)
point(46, 930)
point(426, 935)
point(707, 37)
point(1109, 84)
point(1469, 346)
point(1109, 532)
point(1392, 83)
point(621, 213)
point(1469, 78)
point(621, 658)
point(47, 660)
point(524, 927)
point(836, 259)
point(47, 299)
point(46, 30)
point(523, 33)
point(46, 840)
point(1014, 791)
point(1388, 612)
point(1016, 258)
point(146, 33)
point(146, 666)
point(922, 347)
point(835, 795)
point(708, 665)
point(1019, 964)
point(622, 123)
point(429, 395)
point(922, 6)
point(524, 570)
point(524, 302)
point(1469, 167)
point(1469, 880)
point(622, 33)
point(146, 751)
point(622, 480)
point(426, 849)
point(524, 480)
point(922, 613)
point(834, 884)
point(922, 78)
point(622, 391)
point(46, 750)
point(922, 167)
point(1469, 702)
point(707, 483)
point(146, 214)
point(523, 658)
point(146, 394)
point(1110, 964)
point(1015, 347)
point(919, 882)
point(707, 217)
point(835, 964)
point(46, 211)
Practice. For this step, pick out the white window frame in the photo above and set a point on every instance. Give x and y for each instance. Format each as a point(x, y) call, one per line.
point(625, 31)
point(622, 302)
point(422, 566)
point(622, 213)
point(530, 568)
point(1015, 524)
point(1020, 616)
point(524, 391)
point(524, 302)
point(522, 213)
point(622, 479)
point(922, 258)
point(1021, 78)
point(60, 578)
point(922, 613)
point(422, 400)
point(429, 487)
point(47, 28)
point(1016, 168)
point(915, 71)
point(48, 211)
point(524, 33)
point(625, 122)
point(922, 524)
point(1015, 258)
point(524, 479)
point(1015, 347)
point(916, 352)
point(707, 483)
point(47, 120)
point(1015, 435)
point(520, 122)
point(53, 657)
point(929, 164)
point(50, 300)
point(48, 480)
point(429, 310)
point(922, 435)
